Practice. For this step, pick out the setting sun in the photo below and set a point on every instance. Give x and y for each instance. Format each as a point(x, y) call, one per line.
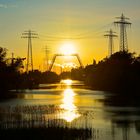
point(67, 48)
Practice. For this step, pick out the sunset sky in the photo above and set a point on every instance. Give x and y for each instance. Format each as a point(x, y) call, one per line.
point(84, 22)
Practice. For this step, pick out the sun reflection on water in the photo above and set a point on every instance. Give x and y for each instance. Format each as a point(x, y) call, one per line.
point(67, 82)
point(70, 110)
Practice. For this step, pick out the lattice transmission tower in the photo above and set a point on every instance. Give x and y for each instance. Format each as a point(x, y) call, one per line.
point(29, 35)
point(123, 24)
point(47, 51)
point(111, 35)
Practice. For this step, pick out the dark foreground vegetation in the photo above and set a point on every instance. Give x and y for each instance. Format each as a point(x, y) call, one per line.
point(34, 122)
point(50, 133)
point(119, 73)
point(12, 77)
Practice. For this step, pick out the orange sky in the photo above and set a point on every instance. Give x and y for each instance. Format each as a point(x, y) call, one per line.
point(78, 21)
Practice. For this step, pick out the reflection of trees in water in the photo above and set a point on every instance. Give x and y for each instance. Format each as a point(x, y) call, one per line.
point(122, 101)
point(137, 125)
point(124, 114)
point(124, 126)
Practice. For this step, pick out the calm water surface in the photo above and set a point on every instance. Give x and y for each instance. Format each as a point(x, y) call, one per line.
point(87, 108)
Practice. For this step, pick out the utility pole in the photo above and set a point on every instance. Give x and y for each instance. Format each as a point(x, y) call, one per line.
point(110, 34)
point(123, 24)
point(47, 51)
point(29, 35)
point(12, 59)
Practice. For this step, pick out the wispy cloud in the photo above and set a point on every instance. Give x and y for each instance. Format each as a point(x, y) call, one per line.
point(7, 6)
point(3, 6)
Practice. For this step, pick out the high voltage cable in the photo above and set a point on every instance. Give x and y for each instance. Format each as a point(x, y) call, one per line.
point(96, 30)
point(85, 35)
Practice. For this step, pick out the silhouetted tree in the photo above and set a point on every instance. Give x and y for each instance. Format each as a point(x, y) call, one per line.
point(65, 75)
point(77, 74)
point(119, 73)
point(9, 73)
point(49, 77)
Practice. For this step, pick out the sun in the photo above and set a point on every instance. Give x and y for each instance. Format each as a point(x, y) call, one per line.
point(67, 48)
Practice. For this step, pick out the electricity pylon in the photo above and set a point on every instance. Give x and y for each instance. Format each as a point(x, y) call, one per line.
point(47, 51)
point(110, 34)
point(123, 23)
point(56, 55)
point(29, 35)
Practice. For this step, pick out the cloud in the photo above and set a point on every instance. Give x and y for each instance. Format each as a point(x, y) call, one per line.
point(3, 6)
point(7, 6)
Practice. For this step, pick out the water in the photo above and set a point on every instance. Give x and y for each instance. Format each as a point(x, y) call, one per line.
point(108, 117)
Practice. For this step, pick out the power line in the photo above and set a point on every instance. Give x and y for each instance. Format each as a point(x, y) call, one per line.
point(84, 35)
point(29, 35)
point(110, 34)
point(123, 23)
point(47, 51)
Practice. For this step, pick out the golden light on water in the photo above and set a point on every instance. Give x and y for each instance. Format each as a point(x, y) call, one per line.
point(70, 110)
point(68, 100)
point(67, 82)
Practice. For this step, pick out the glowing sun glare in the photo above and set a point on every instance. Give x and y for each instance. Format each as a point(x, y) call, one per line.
point(67, 48)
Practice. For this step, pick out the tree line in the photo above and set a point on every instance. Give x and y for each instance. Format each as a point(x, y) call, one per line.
point(11, 77)
point(119, 73)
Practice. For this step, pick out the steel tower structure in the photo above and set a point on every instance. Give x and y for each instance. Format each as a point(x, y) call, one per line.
point(123, 23)
point(47, 51)
point(61, 55)
point(29, 35)
point(110, 34)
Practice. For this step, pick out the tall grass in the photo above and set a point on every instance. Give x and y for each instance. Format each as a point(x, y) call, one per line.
point(41, 121)
point(37, 116)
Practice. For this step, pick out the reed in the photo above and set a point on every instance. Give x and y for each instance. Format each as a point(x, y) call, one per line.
point(39, 121)
point(37, 116)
